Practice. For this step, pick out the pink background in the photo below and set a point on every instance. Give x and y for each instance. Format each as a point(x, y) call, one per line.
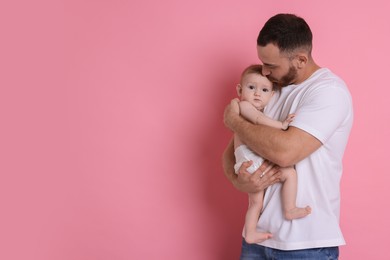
point(112, 133)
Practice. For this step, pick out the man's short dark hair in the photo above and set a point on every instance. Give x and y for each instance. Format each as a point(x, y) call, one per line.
point(288, 32)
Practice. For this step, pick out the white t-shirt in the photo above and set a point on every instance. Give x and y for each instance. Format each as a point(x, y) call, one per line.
point(323, 108)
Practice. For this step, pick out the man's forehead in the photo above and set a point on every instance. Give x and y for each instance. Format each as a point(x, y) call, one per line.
point(268, 54)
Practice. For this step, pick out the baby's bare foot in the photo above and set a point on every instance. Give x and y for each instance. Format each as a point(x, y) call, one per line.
point(257, 237)
point(296, 213)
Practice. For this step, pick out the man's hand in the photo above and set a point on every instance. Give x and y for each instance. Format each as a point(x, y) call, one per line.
point(250, 112)
point(265, 176)
point(231, 111)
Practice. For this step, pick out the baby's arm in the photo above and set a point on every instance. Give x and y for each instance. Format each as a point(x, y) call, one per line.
point(250, 113)
point(287, 121)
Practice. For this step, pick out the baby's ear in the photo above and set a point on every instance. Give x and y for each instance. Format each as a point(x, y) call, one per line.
point(239, 89)
point(272, 93)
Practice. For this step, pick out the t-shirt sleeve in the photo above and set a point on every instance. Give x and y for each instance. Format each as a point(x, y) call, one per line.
point(322, 111)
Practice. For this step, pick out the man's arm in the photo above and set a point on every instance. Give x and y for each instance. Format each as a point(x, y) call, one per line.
point(284, 148)
point(244, 181)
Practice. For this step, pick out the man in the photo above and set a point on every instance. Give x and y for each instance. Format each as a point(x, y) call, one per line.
point(314, 143)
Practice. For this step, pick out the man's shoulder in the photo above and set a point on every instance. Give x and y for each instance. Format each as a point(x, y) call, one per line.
point(324, 83)
point(325, 77)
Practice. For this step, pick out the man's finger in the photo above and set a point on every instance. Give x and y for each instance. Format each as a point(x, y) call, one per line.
point(265, 166)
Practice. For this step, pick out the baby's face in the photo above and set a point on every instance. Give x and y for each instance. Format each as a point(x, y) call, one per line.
point(256, 89)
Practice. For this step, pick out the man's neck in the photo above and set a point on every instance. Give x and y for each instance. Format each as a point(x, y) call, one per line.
point(309, 70)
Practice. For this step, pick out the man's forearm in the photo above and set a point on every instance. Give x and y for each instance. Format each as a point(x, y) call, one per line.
point(228, 161)
point(284, 148)
point(259, 138)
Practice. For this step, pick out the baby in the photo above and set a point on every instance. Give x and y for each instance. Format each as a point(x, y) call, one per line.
point(255, 91)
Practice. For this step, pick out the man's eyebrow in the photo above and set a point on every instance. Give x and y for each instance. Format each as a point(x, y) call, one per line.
point(269, 65)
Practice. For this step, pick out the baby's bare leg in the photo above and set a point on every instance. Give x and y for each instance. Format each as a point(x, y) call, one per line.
point(252, 217)
point(289, 195)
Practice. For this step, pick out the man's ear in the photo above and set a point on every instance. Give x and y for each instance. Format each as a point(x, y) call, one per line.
point(239, 89)
point(301, 60)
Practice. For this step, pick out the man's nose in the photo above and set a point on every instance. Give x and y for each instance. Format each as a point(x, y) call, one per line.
point(265, 71)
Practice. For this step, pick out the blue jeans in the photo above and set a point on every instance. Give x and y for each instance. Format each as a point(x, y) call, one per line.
point(257, 252)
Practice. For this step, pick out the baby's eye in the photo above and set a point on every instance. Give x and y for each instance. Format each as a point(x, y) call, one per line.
point(251, 87)
point(265, 90)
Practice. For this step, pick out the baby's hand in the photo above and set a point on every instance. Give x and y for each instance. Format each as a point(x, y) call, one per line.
point(288, 120)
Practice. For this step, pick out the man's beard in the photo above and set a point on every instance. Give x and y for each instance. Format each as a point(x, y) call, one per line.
point(287, 79)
